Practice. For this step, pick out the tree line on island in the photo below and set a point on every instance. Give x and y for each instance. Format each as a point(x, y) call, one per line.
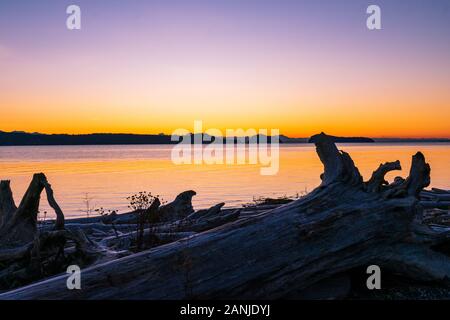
point(20, 138)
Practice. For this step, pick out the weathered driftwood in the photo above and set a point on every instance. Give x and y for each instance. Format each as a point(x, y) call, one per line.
point(19, 224)
point(435, 204)
point(180, 208)
point(441, 191)
point(435, 196)
point(30, 251)
point(7, 205)
point(342, 224)
point(207, 212)
point(377, 181)
point(59, 223)
point(90, 228)
point(198, 225)
point(153, 239)
point(27, 253)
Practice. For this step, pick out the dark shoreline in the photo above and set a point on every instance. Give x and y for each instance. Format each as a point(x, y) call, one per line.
point(19, 138)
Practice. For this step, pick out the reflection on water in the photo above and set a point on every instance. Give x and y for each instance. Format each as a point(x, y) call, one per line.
point(108, 174)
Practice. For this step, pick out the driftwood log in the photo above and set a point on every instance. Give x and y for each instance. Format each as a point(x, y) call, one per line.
point(26, 253)
point(30, 250)
point(343, 224)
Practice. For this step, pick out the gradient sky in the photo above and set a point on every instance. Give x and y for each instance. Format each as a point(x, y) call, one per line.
point(298, 66)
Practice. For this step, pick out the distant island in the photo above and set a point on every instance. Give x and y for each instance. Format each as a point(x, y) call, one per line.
point(20, 138)
point(344, 139)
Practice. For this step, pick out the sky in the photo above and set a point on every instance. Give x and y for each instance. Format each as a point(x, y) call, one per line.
point(302, 67)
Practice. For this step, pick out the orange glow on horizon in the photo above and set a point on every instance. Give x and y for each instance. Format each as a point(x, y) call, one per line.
point(154, 67)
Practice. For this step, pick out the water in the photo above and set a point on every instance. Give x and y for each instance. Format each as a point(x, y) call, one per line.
point(108, 174)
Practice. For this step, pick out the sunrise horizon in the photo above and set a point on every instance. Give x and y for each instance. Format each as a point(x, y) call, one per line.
point(292, 136)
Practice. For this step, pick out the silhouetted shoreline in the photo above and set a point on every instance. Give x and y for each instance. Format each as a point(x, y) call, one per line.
point(18, 138)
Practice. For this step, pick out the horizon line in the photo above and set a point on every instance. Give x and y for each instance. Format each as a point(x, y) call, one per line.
point(281, 134)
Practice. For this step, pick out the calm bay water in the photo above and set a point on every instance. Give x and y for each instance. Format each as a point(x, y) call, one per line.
point(108, 174)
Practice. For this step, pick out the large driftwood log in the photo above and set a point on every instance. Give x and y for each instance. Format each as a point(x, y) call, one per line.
point(59, 223)
point(342, 224)
point(27, 253)
point(30, 251)
point(180, 208)
point(19, 225)
point(7, 205)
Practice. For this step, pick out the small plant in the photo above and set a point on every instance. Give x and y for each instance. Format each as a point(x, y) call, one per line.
point(139, 203)
point(89, 208)
point(141, 200)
